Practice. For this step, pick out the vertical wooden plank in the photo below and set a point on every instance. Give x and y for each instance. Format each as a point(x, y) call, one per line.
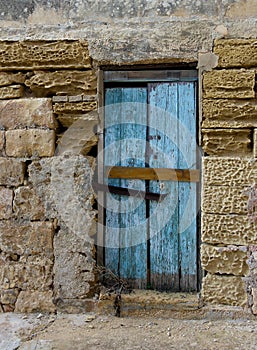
point(187, 159)
point(163, 152)
point(133, 210)
point(125, 143)
point(113, 98)
point(172, 223)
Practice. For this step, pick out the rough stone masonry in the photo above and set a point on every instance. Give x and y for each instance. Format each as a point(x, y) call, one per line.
point(50, 58)
point(44, 262)
point(229, 235)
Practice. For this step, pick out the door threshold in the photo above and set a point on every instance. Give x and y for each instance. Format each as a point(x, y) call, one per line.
point(180, 305)
point(149, 301)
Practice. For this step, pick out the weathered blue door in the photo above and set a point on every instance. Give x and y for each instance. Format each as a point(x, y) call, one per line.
point(149, 148)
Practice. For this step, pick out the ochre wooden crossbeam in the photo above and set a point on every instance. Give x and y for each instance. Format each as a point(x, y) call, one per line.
point(161, 174)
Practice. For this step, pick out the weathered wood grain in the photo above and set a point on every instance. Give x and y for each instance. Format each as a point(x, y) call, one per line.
point(160, 174)
point(152, 148)
point(163, 222)
point(126, 227)
point(187, 191)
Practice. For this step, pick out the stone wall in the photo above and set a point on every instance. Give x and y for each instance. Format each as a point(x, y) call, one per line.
point(229, 231)
point(46, 244)
point(130, 31)
point(48, 113)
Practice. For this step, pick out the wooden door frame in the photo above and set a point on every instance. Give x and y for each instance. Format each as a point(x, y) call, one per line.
point(136, 76)
point(100, 175)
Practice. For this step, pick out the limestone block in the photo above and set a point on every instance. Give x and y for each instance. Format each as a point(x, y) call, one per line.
point(236, 52)
point(226, 113)
point(79, 138)
point(221, 171)
point(228, 229)
point(64, 184)
point(242, 9)
point(62, 83)
point(40, 172)
point(207, 61)
point(76, 98)
point(78, 107)
point(227, 142)
point(2, 139)
point(72, 280)
point(255, 143)
point(228, 290)
point(254, 295)
point(12, 172)
point(27, 239)
point(231, 83)
point(78, 306)
point(27, 205)
point(12, 91)
point(9, 296)
point(87, 98)
point(40, 179)
point(35, 275)
point(59, 98)
point(35, 301)
point(11, 78)
point(6, 197)
point(74, 265)
point(42, 55)
point(224, 200)
point(66, 120)
point(231, 260)
point(252, 262)
point(31, 142)
point(26, 113)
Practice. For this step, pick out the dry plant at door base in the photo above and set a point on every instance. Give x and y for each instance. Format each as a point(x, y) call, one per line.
point(113, 285)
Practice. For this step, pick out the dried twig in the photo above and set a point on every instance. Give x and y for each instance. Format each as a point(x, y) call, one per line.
point(112, 282)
